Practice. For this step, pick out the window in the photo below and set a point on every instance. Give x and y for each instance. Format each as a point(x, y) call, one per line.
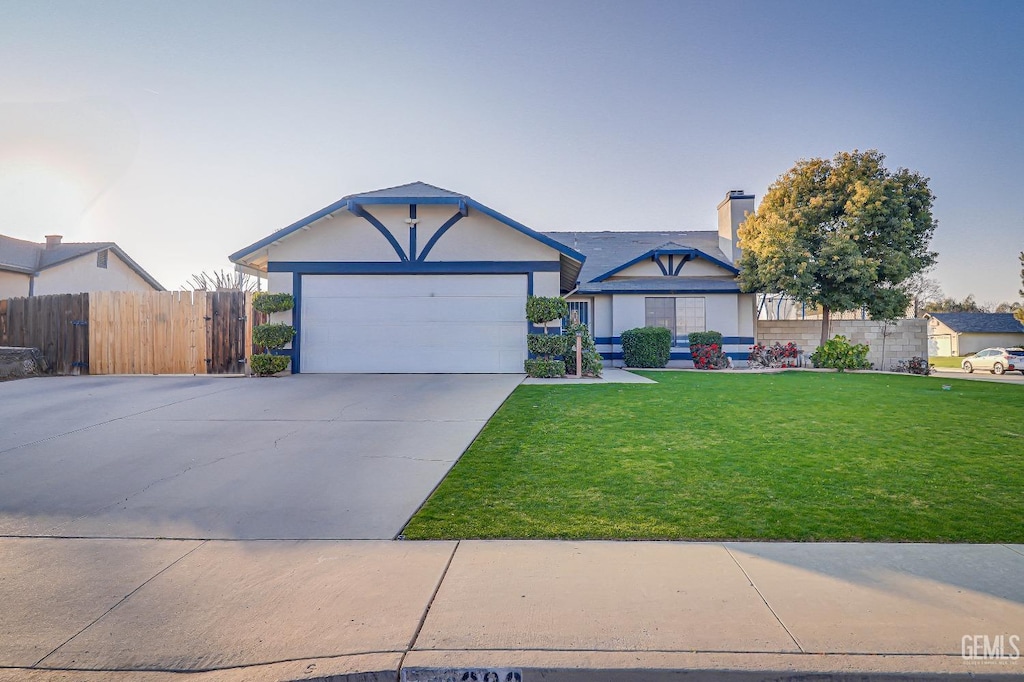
point(101, 258)
point(581, 308)
point(661, 312)
point(679, 315)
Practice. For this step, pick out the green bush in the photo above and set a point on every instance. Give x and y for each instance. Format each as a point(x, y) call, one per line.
point(838, 353)
point(544, 309)
point(266, 364)
point(592, 364)
point(705, 339)
point(646, 347)
point(266, 302)
point(273, 335)
point(546, 345)
point(545, 369)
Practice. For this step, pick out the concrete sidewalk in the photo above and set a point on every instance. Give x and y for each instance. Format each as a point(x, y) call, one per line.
point(131, 609)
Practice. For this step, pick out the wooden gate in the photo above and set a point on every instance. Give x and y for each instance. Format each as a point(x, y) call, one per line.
point(56, 325)
point(227, 334)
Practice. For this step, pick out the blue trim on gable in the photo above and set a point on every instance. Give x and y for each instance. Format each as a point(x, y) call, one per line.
point(437, 235)
point(412, 232)
point(682, 261)
point(400, 201)
point(661, 266)
point(357, 210)
point(542, 238)
point(285, 231)
point(415, 267)
point(655, 253)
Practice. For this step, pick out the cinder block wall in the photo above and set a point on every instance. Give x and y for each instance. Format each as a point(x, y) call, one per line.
point(905, 339)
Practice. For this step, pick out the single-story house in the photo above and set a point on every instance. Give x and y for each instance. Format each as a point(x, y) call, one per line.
point(953, 334)
point(55, 267)
point(417, 278)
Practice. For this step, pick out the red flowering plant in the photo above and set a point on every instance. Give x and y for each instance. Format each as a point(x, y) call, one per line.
point(706, 350)
point(776, 355)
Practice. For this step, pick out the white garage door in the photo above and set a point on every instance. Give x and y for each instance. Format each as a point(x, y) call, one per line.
point(413, 323)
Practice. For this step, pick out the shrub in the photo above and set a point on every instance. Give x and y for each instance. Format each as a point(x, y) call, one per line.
point(273, 335)
point(775, 355)
point(546, 345)
point(838, 353)
point(544, 309)
point(592, 364)
point(646, 347)
point(545, 368)
point(706, 350)
point(266, 302)
point(915, 365)
point(266, 364)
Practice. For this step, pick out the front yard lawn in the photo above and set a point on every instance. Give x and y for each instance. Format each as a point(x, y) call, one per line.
point(789, 456)
point(946, 362)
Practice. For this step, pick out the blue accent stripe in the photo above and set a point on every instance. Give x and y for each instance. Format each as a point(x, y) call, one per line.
point(661, 266)
point(682, 262)
point(726, 340)
point(617, 355)
point(437, 235)
point(414, 267)
point(358, 210)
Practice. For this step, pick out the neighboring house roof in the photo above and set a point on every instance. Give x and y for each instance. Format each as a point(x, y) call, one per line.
point(417, 193)
point(611, 252)
point(980, 323)
point(18, 255)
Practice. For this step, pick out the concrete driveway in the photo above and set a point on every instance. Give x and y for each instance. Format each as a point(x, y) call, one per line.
point(302, 457)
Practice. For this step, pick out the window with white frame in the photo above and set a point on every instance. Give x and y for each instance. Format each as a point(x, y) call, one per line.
point(680, 315)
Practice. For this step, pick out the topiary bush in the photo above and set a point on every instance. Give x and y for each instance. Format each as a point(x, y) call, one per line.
point(273, 335)
point(545, 369)
point(646, 347)
point(540, 310)
point(706, 350)
point(265, 364)
point(838, 353)
point(592, 360)
point(266, 302)
point(546, 345)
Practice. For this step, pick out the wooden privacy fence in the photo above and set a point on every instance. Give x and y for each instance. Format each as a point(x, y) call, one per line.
point(128, 332)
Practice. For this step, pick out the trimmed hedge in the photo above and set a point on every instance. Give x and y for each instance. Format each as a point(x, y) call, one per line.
point(546, 345)
point(705, 339)
point(266, 302)
point(544, 309)
point(266, 364)
point(646, 347)
point(838, 353)
point(706, 350)
point(545, 369)
point(273, 335)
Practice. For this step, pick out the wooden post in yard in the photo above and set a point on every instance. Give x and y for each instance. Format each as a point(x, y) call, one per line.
point(579, 354)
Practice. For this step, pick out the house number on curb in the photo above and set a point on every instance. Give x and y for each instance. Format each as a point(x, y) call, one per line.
point(462, 675)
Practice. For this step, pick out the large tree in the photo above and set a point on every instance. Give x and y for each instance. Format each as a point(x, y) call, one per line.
point(842, 233)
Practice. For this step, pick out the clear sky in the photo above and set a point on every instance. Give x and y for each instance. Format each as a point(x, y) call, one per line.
point(185, 130)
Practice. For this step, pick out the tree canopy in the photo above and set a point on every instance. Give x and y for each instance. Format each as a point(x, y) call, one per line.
point(842, 233)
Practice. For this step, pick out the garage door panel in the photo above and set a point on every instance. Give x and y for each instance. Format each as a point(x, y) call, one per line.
point(413, 323)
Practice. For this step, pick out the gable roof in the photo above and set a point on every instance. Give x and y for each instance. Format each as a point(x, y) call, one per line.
point(980, 323)
point(19, 255)
point(420, 193)
point(611, 252)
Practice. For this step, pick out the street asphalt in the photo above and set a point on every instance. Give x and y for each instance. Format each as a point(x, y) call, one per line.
point(302, 457)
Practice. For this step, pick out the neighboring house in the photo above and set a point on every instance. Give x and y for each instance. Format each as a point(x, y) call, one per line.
point(30, 269)
point(685, 281)
point(416, 278)
point(952, 334)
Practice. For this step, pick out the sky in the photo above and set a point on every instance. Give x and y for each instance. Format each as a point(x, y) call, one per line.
point(186, 130)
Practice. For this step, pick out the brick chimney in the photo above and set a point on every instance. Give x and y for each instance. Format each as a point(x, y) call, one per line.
point(731, 213)
point(53, 240)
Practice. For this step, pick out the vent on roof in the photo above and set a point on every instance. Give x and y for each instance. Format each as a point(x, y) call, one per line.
point(101, 258)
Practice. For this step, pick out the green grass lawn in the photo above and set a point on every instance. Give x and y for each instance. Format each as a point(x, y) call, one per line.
point(946, 362)
point(790, 456)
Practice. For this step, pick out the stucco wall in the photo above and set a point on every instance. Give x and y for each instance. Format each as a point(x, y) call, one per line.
point(81, 274)
point(13, 284)
point(972, 343)
point(694, 268)
point(906, 339)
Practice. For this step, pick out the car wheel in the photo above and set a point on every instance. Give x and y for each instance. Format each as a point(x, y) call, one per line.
point(968, 367)
point(997, 368)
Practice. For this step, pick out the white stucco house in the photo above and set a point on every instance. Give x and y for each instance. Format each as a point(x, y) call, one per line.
point(953, 334)
point(417, 278)
point(56, 267)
